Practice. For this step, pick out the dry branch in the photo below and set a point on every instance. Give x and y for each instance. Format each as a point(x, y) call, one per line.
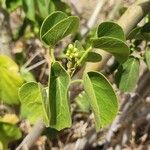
point(5, 33)
point(32, 137)
point(92, 20)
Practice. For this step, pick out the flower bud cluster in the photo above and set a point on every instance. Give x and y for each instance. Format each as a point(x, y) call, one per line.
point(72, 52)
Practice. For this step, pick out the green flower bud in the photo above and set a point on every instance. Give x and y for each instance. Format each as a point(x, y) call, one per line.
point(76, 54)
point(70, 46)
point(71, 56)
point(67, 54)
point(75, 50)
point(76, 59)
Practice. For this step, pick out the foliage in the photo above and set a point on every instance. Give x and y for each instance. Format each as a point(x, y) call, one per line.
point(56, 26)
point(108, 40)
point(102, 98)
point(32, 102)
point(10, 81)
point(51, 103)
point(8, 130)
point(128, 74)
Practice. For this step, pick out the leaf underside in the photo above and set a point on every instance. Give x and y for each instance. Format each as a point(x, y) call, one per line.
point(32, 103)
point(60, 116)
point(128, 74)
point(102, 98)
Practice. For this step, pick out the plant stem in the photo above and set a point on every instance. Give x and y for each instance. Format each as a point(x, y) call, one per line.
point(84, 55)
point(32, 137)
point(52, 54)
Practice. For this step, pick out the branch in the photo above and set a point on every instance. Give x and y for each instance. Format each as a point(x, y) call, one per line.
point(94, 16)
point(5, 33)
point(112, 14)
point(32, 137)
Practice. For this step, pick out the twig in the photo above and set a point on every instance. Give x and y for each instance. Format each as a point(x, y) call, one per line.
point(86, 141)
point(134, 15)
point(30, 139)
point(94, 16)
point(36, 65)
point(30, 59)
point(114, 11)
point(76, 7)
point(5, 34)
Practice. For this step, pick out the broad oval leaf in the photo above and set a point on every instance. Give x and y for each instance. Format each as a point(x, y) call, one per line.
point(102, 98)
point(29, 8)
point(51, 20)
point(8, 63)
point(145, 31)
point(141, 33)
point(135, 33)
point(33, 103)
point(93, 57)
point(10, 81)
point(9, 132)
point(82, 102)
point(147, 57)
point(128, 74)
point(60, 116)
point(115, 46)
point(12, 5)
point(56, 26)
point(26, 75)
point(44, 8)
point(78, 45)
point(110, 29)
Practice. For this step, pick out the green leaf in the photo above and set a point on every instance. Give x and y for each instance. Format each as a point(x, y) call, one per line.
point(57, 26)
point(110, 29)
point(78, 45)
point(26, 75)
point(9, 132)
point(128, 74)
point(8, 63)
point(44, 8)
point(135, 33)
point(62, 6)
point(82, 102)
point(13, 4)
point(145, 31)
point(33, 102)
point(50, 133)
point(147, 57)
point(93, 57)
point(29, 8)
point(60, 116)
point(10, 81)
point(51, 20)
point(141, 33)
point(115, 46)
point(102, 98)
